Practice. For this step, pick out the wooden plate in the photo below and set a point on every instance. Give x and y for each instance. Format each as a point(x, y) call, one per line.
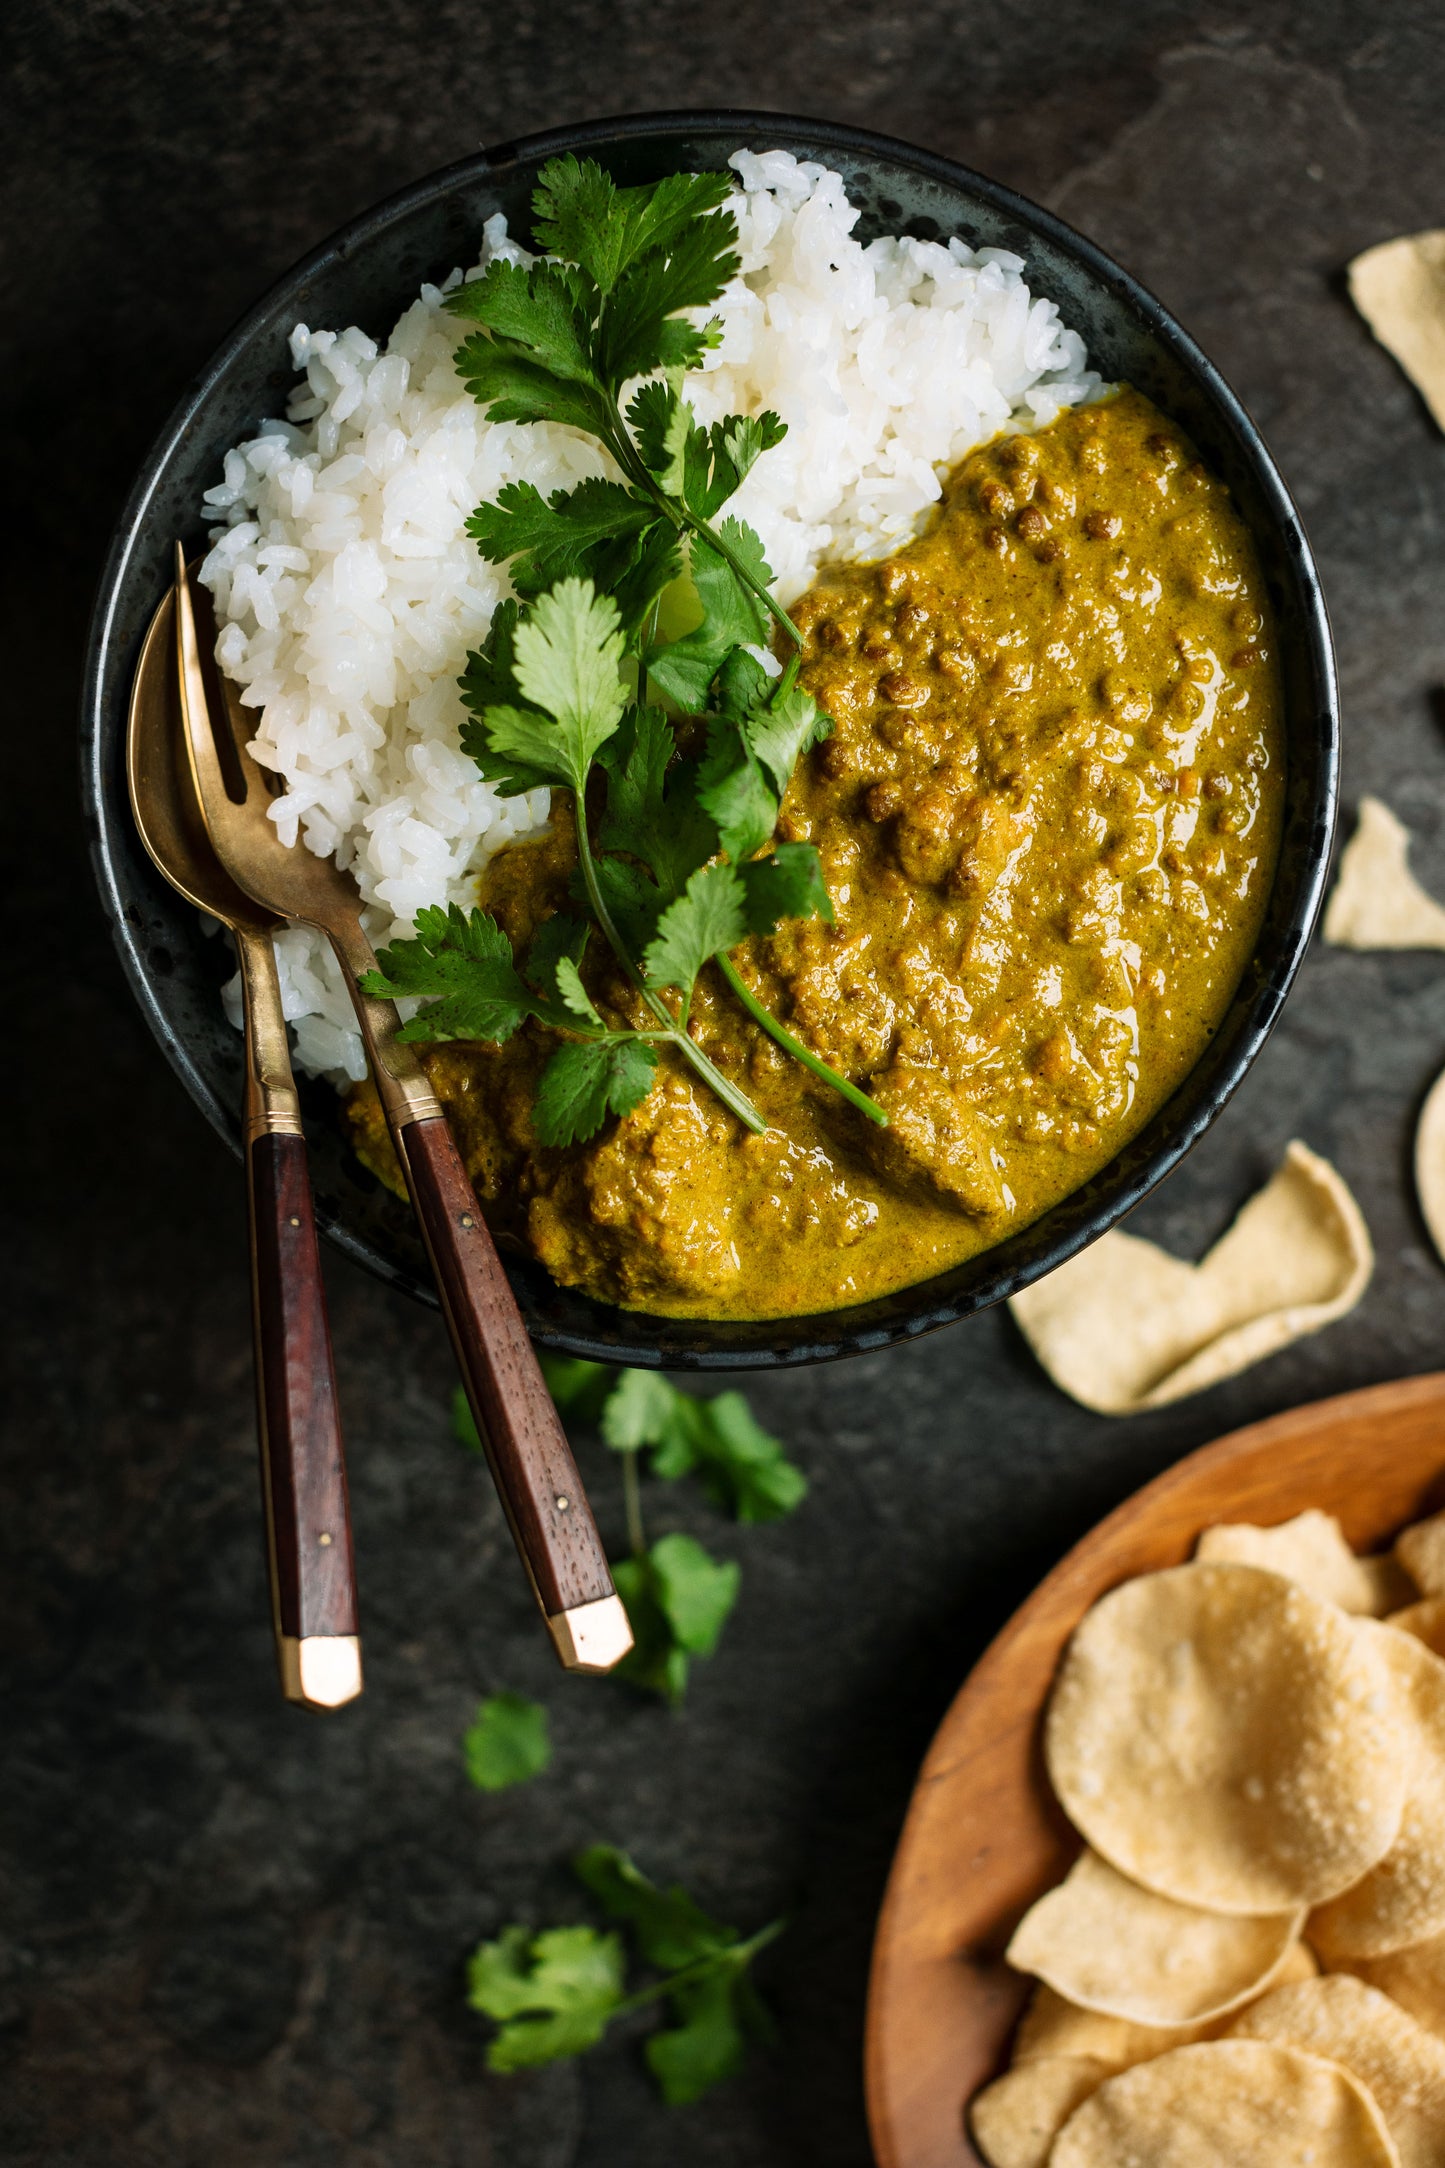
point(984, 1837)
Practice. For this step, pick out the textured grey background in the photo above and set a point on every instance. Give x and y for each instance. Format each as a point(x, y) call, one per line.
point(233, 1936)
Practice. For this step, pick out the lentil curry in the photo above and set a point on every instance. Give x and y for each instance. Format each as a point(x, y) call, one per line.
point(1048, 815)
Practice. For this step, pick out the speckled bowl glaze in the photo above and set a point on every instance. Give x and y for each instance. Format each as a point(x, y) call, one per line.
point(366, 275)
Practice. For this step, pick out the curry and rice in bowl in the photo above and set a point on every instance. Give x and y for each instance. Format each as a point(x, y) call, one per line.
point(1040, 803)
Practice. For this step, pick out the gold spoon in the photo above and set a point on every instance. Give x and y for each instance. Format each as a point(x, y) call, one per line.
point(303, 1475)
point(526, 1447)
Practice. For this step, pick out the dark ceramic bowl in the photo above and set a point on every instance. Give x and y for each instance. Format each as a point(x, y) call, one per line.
point(366, 275)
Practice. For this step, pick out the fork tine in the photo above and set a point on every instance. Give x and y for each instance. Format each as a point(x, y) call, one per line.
point(205, 758)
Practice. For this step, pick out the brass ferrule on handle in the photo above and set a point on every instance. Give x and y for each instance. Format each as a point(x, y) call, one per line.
point(402, 1083)
point(273, 1106)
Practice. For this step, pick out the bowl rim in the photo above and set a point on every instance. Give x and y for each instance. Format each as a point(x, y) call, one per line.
point(826, 1335)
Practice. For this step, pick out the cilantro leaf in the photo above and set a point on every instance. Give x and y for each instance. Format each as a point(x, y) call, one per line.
point(534, 308)
point(651, 813)
point(552, 1994)
point(705, 2046)
point(787, 884)
point(781, 729)
point(581, 214)
point(567, 656)
point(731, 787)
point(467, 962)
point(670, 1930)
point(513, 387)
point(707, 916)
point(696, 1592)
point(575, 214)
point(661, 422)
point(639, 1409)
point(732, 617)
point(741, 684)
point(742, 1465)
point(518, 749)
point(677, 1600)
point(636, 331)
point(579, 1387)
point(508, 1743)
point(743, 1468)
point(489, 679)
point(585, 1081)
point(593, 529)
point(574, 995)
point(654, 1662)
point(633, 899)
point(718, 459)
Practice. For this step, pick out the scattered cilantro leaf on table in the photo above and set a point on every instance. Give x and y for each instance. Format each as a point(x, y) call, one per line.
point(675, 880)
point(553, 1994)
point(678, 1600)
point(507, 1744)
point(742, 1466)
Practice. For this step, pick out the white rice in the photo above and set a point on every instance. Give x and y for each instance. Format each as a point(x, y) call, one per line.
point(349, 594)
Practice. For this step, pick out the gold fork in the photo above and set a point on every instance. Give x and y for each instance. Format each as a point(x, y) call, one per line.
point(526, 1448)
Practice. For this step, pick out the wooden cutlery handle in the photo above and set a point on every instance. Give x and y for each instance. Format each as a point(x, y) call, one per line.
point(525, 1444)
point(308, 1516)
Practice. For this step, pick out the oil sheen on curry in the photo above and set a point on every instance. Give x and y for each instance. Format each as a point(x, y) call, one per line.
point(1048, 815)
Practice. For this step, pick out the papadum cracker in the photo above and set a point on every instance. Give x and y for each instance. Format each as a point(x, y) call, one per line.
point(1399, 289)
point(1402, 1899)
point(1425, 1621)
point(1229, 1740)
point(1421, 1551)
point(1052, 2025)
point(1124, 1326)
point(1109, 1945)
point(1401, 2064)
point(1309, 1549)
point(1376, 902)
point(1414, 1978)
point(1228, 2104)
point(1015, 2120)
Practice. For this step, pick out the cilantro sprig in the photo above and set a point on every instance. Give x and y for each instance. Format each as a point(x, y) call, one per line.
point(554, 1994)
point(566, 690)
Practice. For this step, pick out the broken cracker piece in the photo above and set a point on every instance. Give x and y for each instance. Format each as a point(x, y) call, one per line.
point(1399, 289)
point(1377, 903)
point(1124, 1326)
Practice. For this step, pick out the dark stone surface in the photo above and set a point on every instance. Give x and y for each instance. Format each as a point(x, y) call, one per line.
point(232, 1936)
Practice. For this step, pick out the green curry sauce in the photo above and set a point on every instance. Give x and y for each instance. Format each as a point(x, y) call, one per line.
point(1048, 816)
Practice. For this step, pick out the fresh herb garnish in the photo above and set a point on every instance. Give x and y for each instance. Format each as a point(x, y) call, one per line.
point(507, 1744)
point(554, 1994)
point(742, 1468)
point(563, 686)
point(678, 1600)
